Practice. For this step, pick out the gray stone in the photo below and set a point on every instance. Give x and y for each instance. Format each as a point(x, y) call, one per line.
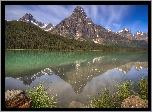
point(16, 99)
point(75, 104)
point(11, 94)
point(134, 102)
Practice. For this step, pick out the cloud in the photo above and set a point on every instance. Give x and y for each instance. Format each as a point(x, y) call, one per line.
point(111, 17)
point(117, 26)
point(103, 14)
point(46, 14)
point(112, 14)
point(94, 11)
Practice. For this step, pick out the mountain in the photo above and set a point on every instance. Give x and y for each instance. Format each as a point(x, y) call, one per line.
point(29, 19)
point(141, 36)
point(126, 33)
point(22, 35)
point(79, 27)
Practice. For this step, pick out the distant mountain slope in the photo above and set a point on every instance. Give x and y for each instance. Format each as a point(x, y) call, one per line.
point(21, 35)
point(29, 19)
point(79, 27)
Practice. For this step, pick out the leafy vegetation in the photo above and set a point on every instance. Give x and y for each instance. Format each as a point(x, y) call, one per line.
point(123, 44)
point(143, 88)
point(21, 35)
point(104, 101)
point(124, 90)
point(40, 98)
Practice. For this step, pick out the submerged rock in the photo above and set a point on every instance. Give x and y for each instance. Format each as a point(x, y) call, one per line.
point(134, 102)
point(16, 99)
point(75, 104)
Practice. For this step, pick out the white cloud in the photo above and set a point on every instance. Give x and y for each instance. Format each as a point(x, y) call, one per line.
point(109, 16)
point(117, 26)
point(46, 14)
point(112, 13)
point(94, 11)
point(105, 14)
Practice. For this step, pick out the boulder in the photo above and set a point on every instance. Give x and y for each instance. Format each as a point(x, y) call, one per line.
point(134, 102)
point(75, 104)
point(16, 99)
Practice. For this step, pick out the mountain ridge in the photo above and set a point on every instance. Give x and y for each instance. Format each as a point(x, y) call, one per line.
point(80, 27)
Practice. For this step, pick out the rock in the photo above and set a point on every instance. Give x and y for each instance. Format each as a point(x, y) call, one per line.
point(10, 94)
point(16, 99)
point(82, 28)
point(75, 104)
point(29, 19)
point(126, 33)
point(141, 36)
point(134, 102)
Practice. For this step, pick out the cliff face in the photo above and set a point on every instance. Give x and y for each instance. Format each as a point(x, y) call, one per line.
point(141, 36)
point(30, 19)
point(126, 33)
point(80, 27)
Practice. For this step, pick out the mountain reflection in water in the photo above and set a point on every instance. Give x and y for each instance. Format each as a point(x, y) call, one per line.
point(83, 75)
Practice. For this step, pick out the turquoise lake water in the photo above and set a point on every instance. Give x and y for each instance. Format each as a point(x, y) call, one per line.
point(72, 75)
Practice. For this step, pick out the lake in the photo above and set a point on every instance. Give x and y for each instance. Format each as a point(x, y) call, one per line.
point(72, 75)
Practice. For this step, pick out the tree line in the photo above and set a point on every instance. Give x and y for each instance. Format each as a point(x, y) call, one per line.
point(22, 35)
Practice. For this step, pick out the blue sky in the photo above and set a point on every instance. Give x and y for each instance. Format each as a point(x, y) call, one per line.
point(113, 17)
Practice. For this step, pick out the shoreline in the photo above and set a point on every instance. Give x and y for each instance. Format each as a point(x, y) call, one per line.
point(128, 100)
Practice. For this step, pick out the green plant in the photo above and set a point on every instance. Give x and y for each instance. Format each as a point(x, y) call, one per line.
point(124, 89)
point(104, 101)
point(112, 101)
point(40, 98)
point(143, 88)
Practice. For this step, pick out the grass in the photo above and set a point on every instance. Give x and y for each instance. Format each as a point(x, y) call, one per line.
point(124, 90)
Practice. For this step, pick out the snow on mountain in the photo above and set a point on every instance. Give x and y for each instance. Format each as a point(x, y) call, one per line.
point(48, 29)
point(79, 25)
point(43, 26)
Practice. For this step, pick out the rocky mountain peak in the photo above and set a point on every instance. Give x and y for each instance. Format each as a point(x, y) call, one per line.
point(28, 15)
point(27, 18)
point(79, 12)
point(141, 36)
point(80, 27)
point(76, 26)
point(125, 29)
point(125, 32)
point(30, 19)
point(139, 32)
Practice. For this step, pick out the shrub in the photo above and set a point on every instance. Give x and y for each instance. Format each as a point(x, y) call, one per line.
point(104, 101)
point(112, 101)
point(40, 98)
point(123, 91)
point(143, 88)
